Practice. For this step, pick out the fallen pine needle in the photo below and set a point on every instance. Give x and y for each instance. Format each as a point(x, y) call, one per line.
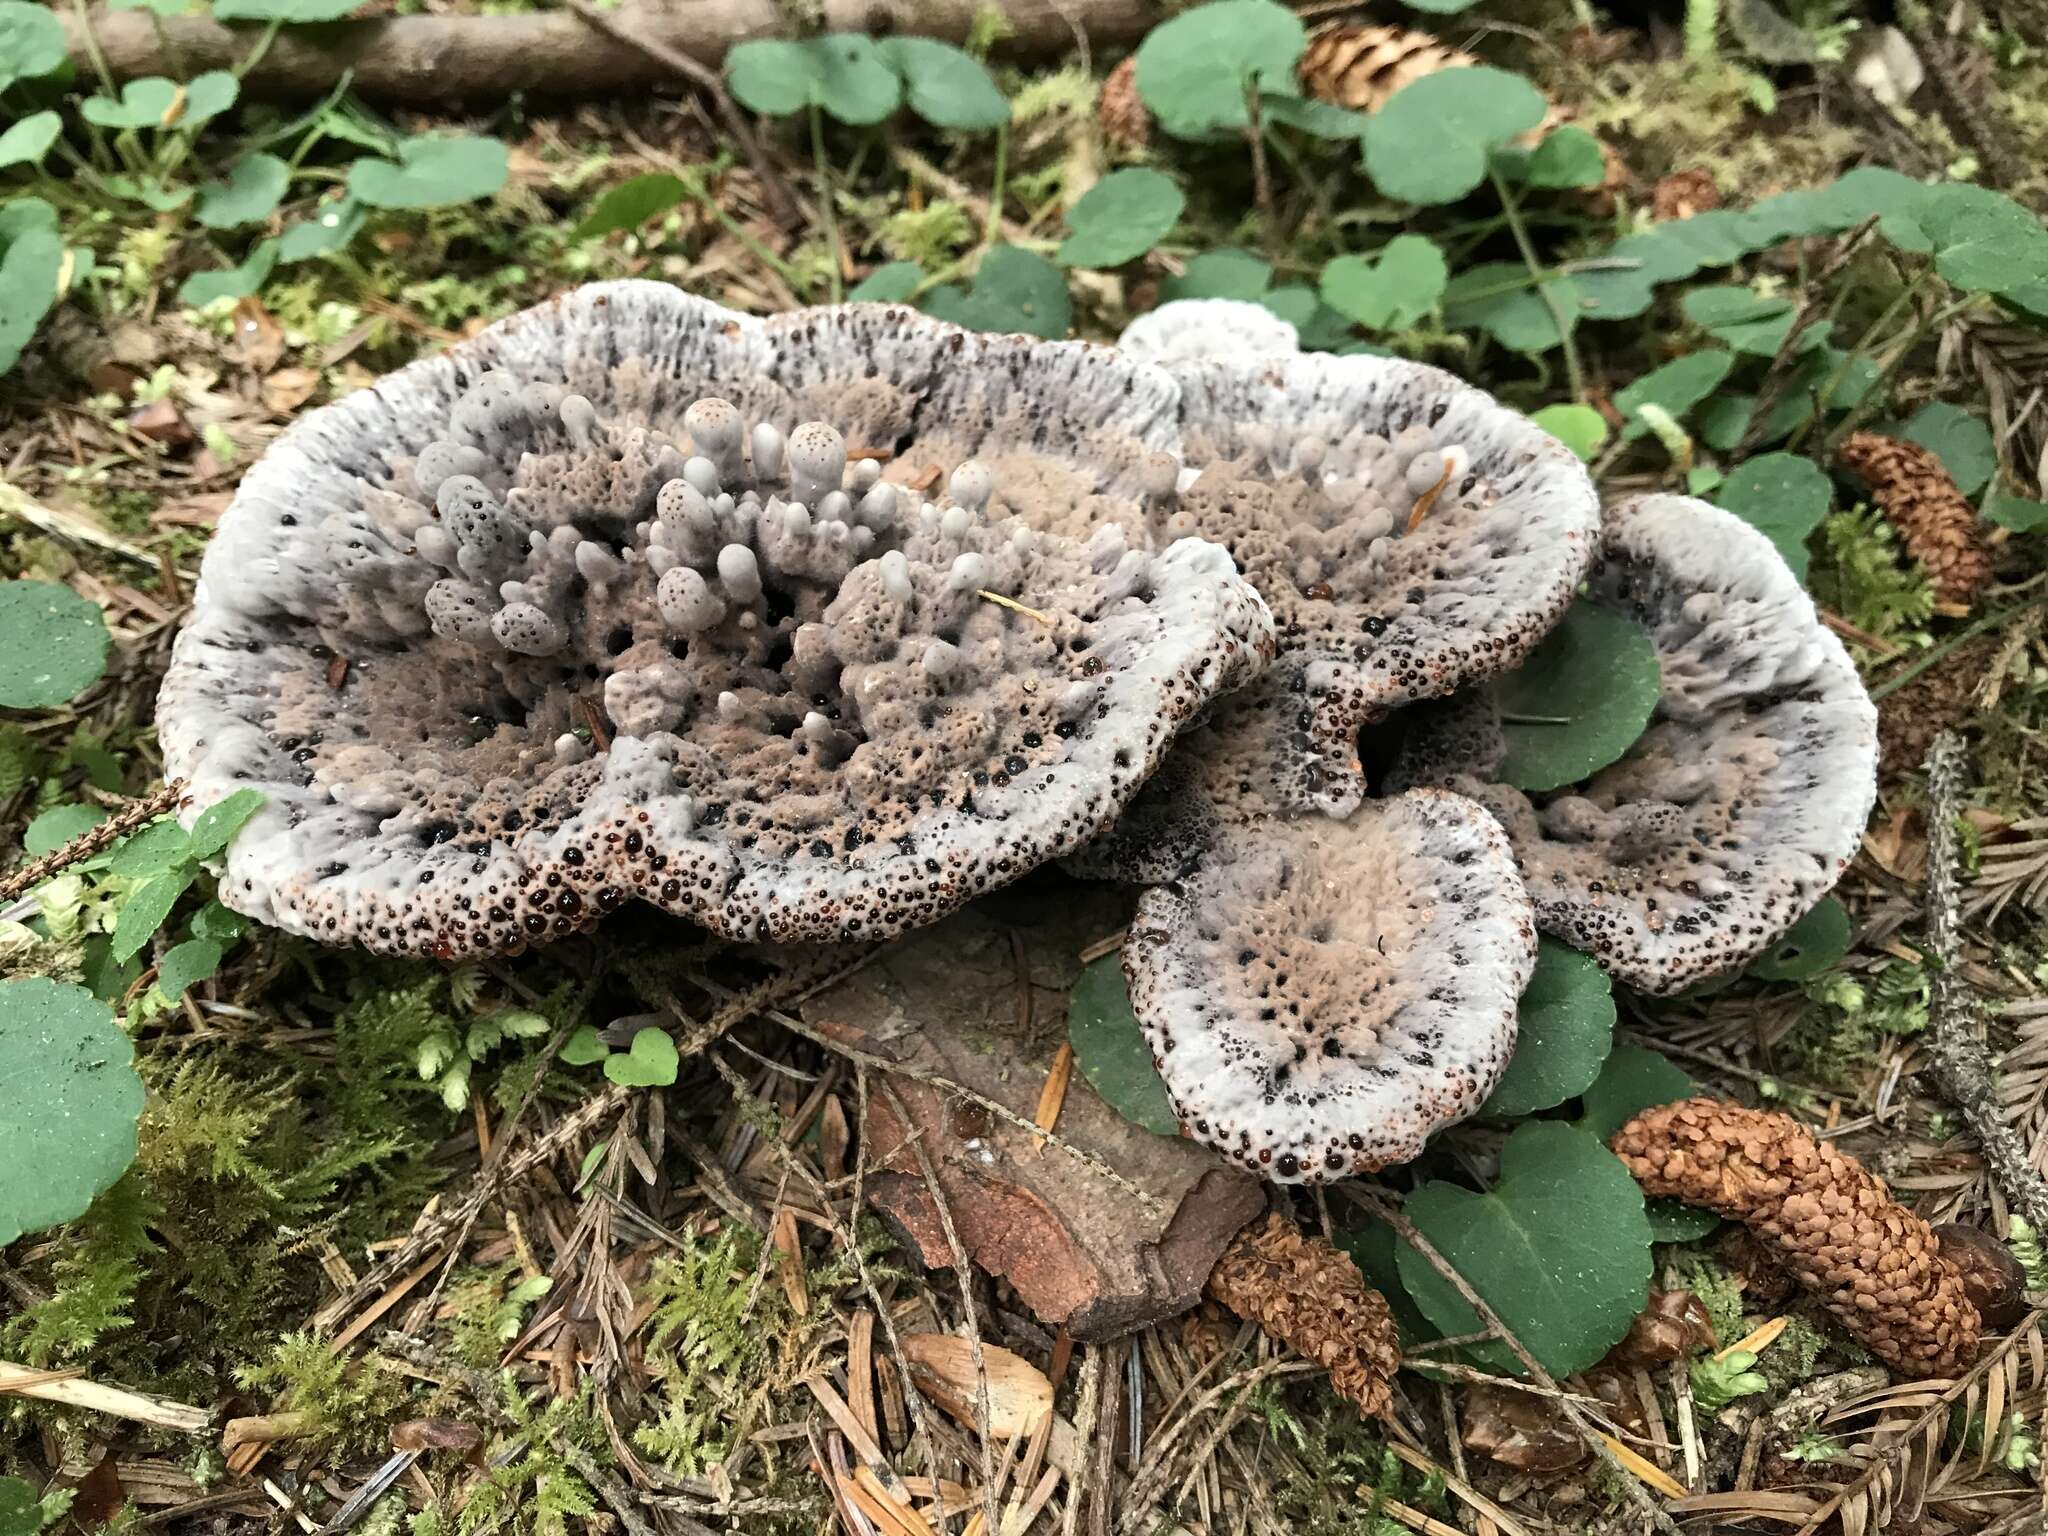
point(1054, 1094)
point(1757, 1341)
point(1012, 603)
point(1645, 1469)
point(1428, 499)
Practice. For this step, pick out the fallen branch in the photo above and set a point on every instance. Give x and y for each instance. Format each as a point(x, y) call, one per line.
point(76, 1392)
point(435, 60)
point(1962, 1064)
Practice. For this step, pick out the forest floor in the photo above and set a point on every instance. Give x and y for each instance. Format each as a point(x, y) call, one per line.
point(380, 1236)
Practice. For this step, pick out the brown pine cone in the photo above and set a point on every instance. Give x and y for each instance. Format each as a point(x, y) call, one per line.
point(1935, 521)
point(1944, 696)
point(1876, 1265)
point(1360, 67)
point(1125, 119)
point(1312, 1298)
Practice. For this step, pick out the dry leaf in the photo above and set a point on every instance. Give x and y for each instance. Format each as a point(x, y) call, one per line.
point(258, 338)
point(436, 1435)
point(1019, 1394)
point(289, 388)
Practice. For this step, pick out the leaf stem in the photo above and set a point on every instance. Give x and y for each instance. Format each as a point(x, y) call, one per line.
point(1512, 210)
point(826, 212)
point(993, 233)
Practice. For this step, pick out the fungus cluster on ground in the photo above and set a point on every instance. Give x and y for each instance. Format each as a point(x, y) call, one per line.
point(817, 627)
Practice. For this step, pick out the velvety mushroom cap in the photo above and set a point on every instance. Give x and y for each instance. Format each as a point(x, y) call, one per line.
point(1744, 800)
point(593, 607)
point(1321, 995)
point(1410, 533)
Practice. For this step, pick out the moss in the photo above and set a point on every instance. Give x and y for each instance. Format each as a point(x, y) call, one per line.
point(346, 1398)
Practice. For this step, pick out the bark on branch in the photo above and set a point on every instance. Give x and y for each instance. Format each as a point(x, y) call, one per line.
point(436, 60)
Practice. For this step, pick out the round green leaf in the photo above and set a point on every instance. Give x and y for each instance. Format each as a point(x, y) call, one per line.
point(631, 203)
point(31, 42)
point(2017, 513)
point(31, 263)
point(651, 1063)
point(203, 288)
point(1497, 297)
point(1673, 1222)
point(52, 829)
point(1567, 157)
point(1565, 1030)
point(152, 102)
point(1195, 71)
point(1579, 701)
point(207, 96)
point(1431, 141)
point(1579, 427)
point(1813, 944)
point(431, 172)
point(21, 1511)
point(1120, 218)
point(891, 283)
point(1960, 440)
point(1111, 1052)
point(330, 229)
point(1633, 1079)
point(1559, 1247)
point(1224, 274)
point(1982, 241)
point(1390, 293)
point(252, 191)
point(69, 1100)
point(944, 86)
point(186, 965)
point(1013, 290)
point(842, 72)
point(1782, 496)
point(53, 644)
point(1676, 387)
point(584, 1046)
point(29, 140)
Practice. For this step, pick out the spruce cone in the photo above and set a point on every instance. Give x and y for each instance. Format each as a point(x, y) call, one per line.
point(1360, 67)
point(1942, 697)
point(1121, 111)
point(1935, 523)
point(1877, 1266)
point(1312, 1298)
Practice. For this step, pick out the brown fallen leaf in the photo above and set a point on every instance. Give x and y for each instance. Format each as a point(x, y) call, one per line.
point(1019, 1393)
point(436, 1435)
point(1673, 1325)
point(258, 338)
point(161, 422)
point(287, 389)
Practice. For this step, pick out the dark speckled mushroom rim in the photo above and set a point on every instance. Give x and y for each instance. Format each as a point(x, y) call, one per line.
point(529, 889)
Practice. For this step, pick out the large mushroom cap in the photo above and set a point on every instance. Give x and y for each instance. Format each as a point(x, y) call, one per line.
point(1744, 800)
point(1410, 533)
point(1321, 995)
point(584, 609)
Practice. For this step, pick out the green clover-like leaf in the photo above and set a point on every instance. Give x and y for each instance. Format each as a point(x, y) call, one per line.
point(1196, 71)
point(69, 1100)
point(1633, 1079)
point(1120, 218)
point(1809, 947)
point(1432, 141)
point(329, 229)
point(291, 12)
point(843, 73)
point(1959, 439)
point(32, 271)
point(631, 203)
point(651, 1063)
point(1675, 388)
point(1579, 427)
point(52, 829)
point(31, 42)
point(1013, 290)
point(1498, 298)
point(944, 86)
point(431, 171)
point(1110, 1048)
point(249, 193)
point(237, 282)
point(53, 644)
point(1782, 496)
point(1389, 292)
point(1579, 702)
point(29, 140)
point(891, 283)
point(1565, 1030)
point(186, 965)
point(1559, 1247)
point(1221, 274)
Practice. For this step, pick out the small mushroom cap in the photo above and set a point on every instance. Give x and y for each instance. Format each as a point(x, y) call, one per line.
point(1741, 804)
point(1321, 995)
point(1410, 534)
point(1207, 330)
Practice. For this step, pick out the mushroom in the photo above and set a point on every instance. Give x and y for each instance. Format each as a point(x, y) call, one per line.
point(1410, 534)
point(1321, 995)
point(616, 626)
point(1740, 805)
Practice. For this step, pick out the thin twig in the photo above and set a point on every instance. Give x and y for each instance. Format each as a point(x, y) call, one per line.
point(93, 840)
point(1962, 1063)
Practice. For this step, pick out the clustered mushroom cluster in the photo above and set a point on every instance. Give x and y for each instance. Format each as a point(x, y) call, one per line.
point(817, 627)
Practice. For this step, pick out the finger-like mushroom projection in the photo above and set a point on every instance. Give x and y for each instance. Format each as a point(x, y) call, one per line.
point(1321, 995)
point(1410, 533)
point(582, 611)
point(1739, 806)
